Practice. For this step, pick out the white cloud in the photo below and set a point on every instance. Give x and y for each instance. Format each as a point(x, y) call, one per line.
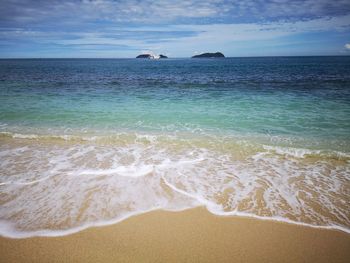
point(167, 37)
point(231, 37)
point(218, 35)
point(122, 11)
point(152, 12)
point(208, 37)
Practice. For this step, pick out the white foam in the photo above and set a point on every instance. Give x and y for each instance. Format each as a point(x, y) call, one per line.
point(121, 171)
point(92, 184)
point(26, 182)
point(302, 153)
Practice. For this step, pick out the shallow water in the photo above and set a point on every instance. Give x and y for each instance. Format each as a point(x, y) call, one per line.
point(91, 142)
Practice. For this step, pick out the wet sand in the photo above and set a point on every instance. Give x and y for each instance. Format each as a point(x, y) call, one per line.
point(189, 236)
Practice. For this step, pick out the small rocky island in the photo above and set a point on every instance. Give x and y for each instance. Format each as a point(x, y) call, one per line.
point(149, 56)
point(210, 55)
point(144, 56)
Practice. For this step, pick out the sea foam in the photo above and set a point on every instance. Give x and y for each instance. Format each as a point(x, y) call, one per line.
point(50, 188)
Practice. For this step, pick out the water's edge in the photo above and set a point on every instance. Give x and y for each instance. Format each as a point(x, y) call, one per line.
point(7, 231)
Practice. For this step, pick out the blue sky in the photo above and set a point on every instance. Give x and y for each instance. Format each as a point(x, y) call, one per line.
point(179, 28)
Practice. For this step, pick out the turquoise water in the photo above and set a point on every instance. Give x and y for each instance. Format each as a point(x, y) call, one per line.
point(264, 137)
point(282, 96)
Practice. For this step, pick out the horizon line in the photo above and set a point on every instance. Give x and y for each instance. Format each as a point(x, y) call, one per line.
point(344, 55)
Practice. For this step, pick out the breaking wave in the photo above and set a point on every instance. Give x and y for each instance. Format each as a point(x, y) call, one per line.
point(54, 185)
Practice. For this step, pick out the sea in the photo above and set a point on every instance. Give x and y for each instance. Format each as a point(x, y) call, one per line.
point(92, 142)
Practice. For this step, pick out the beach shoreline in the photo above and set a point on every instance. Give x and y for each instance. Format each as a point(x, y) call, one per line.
point(193, 235)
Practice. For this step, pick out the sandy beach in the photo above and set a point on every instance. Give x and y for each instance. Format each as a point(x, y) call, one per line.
point(189, 236)
point(174, 131)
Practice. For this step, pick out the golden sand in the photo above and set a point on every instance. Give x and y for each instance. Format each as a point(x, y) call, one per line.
point(189, 236)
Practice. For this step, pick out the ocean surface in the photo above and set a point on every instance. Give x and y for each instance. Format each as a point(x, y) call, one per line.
point(88, 142)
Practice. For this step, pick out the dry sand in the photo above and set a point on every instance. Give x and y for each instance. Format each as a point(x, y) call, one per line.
point(189, 236)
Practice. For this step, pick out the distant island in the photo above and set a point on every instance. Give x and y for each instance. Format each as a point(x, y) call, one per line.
point(203, 55)
point(144, 56)
point(149, 56)
point(210, 55)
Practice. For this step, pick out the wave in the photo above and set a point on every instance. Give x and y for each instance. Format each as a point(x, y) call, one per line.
point(8, 230)
point(304, 153)
point(47, 137)
point(250, 143)
point(79, 185)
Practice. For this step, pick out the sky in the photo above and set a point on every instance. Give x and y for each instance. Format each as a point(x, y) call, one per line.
point(179, 28)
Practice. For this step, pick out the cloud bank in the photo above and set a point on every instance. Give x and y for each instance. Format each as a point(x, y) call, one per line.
point(122, 28)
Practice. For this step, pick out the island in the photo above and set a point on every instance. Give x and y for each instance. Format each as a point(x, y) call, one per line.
point(149, 56)
point(210, 55)
point(145, 56)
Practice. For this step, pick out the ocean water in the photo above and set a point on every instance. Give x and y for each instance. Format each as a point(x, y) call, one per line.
point(87, 142)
